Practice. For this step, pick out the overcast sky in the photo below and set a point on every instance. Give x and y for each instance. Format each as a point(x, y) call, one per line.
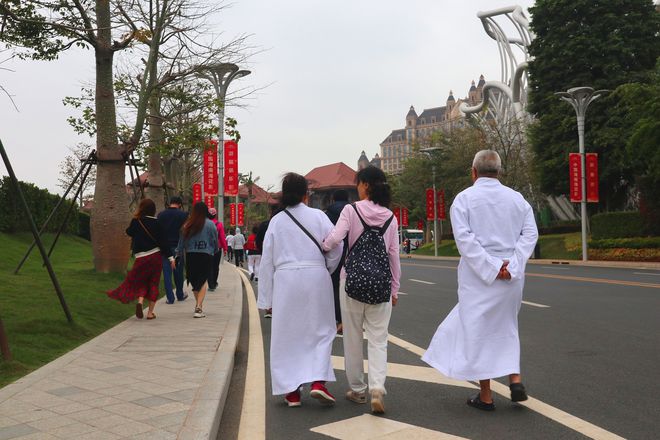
point(341, 76)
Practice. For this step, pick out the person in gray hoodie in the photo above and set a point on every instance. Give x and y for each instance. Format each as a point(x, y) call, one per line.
point(239, 243)
point(198, 243)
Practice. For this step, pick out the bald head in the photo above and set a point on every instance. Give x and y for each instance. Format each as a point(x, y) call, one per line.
point(487, 163)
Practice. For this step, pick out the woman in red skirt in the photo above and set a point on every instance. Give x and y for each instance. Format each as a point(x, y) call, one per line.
point(144, 277)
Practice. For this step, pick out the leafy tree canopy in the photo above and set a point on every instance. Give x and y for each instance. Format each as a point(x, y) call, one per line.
point(597, 43)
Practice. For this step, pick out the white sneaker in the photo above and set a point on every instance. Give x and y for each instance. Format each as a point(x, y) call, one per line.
point(198, 313)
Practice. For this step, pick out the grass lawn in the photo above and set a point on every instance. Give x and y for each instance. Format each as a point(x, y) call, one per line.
point(35, 323)
point(559, 247)
point(446, 248)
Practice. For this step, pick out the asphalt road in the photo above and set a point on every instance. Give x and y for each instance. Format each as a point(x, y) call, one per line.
point(590, 344)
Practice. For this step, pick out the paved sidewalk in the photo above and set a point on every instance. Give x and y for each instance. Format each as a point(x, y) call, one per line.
point(159, 379)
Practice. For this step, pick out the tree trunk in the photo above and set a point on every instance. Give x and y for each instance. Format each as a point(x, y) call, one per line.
point(110, 244)
point(155, 191)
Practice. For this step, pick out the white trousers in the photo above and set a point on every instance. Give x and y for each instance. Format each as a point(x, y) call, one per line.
point(253, 264)
point(375, 319)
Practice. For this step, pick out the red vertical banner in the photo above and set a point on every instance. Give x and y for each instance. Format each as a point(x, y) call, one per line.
point(231, 168)
point(575, 171)
point(197, 192)
point(404, 217)
point(420, 224)
point(211, 167)
point(429, 204)
point(209, 200)
point(441, 204)
point(592, 177)
point(232, 214)
point(397, 215)
point(241, 214)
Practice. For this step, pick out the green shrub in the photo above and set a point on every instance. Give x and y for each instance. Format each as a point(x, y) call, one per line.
point(40, 203)
point(83, 226)
point(561, 227)
point(629, 243)
point(617, 225)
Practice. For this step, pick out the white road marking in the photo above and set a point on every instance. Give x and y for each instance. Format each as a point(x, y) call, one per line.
point(253, 415)
point(369, 427)
point(410, 372)
point(529, 303)
point(420, 281)
point(559, 416)
point(402, 293)
point(647, 273)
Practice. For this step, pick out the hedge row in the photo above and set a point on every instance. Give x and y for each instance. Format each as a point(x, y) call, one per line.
point(561, 227)
point(39, 201)
point(628, 243)
point(618, 225)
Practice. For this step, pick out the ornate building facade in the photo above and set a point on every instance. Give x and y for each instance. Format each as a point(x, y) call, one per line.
point(398, 145)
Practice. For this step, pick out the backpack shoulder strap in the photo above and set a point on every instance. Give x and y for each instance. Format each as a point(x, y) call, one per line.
point(386, 225)
point(304, 230)
point(364, 224)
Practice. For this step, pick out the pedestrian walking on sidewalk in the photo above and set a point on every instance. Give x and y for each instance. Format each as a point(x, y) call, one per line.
point(222, 246)
point(171, 220)
point(239, 244)
point(339, 201)
point(149, 243)
point(197, 245)
point(254, 254)
point(294, 281)
point(230, 245)
point(369, 283)
point(495, 234)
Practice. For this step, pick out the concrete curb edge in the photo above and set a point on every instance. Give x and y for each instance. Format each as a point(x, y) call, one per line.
point(209, 403)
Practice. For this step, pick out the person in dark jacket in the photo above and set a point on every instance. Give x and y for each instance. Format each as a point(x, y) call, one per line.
point(149, 243)
point(171, 219)
point(339, 199)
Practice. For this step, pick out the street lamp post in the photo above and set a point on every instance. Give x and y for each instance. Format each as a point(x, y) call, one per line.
point(220, 75)
point(580, 98)
point(435, 200)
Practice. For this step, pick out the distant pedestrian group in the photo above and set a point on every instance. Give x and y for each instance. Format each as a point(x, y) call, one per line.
point(169, 244)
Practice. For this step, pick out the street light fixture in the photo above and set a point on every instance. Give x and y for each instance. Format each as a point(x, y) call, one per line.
point(580, 98)
point(220, 75)
point(428, 151)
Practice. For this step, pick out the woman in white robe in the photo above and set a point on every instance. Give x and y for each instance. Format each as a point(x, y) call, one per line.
point(495, 233)
point(295, 282)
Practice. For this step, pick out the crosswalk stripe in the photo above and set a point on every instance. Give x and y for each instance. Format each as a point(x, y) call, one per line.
point(368, 427)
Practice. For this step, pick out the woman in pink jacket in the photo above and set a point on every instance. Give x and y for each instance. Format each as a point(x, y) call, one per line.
point(373, 314)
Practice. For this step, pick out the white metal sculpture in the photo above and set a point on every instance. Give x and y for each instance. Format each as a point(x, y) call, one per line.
point(506, 99)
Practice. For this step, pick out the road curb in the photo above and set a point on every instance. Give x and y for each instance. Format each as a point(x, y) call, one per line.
point(203, 420)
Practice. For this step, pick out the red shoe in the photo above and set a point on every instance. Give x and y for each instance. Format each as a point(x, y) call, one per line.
point(320, 392)
point(293, 398)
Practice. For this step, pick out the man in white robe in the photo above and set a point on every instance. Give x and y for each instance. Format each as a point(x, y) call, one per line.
point(495, 233)
point(294, 281)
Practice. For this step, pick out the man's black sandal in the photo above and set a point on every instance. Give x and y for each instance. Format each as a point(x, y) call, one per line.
point(518, 393)
point(476, 402)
